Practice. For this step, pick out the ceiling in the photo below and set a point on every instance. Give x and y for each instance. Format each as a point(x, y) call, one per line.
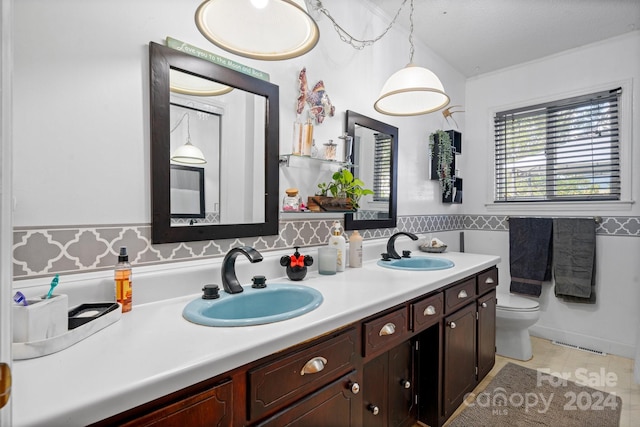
point(479, 36)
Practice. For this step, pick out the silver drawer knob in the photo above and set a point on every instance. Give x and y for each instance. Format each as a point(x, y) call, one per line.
point(483, 305)
point(314, 366)
point(405, 383)
point(374, 409)
point(489, 281)
point(388, 329)
point(462, 294)
point(354, 387)
point(452, 325)
point(429, 311)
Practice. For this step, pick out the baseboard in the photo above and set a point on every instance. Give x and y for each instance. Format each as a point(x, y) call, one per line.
point(596, 343)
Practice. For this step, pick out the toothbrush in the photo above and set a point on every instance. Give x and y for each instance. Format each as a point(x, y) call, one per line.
point(54, 283)
point(19, 298)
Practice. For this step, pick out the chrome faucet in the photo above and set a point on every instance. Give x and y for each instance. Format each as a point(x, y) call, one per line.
point(229, 280)
point(391, 243)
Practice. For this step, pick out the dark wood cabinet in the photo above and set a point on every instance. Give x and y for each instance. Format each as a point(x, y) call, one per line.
point(412, 362)
point(335, 405)
point(205, 404)
point(388, 395)
point(486, 333)
point(459, 357)
point(283, 380)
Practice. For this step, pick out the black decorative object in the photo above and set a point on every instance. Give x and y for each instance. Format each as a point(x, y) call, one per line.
point(450, 184)
point(296, 265)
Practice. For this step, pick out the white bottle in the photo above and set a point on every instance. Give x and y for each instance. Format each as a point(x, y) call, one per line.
point(340, 244)
point(355, 249)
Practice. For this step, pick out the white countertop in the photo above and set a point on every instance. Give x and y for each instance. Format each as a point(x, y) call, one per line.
point(152, 351)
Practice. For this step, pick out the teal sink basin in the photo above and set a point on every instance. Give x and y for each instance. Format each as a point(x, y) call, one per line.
point(274, 303)
point(417, 263)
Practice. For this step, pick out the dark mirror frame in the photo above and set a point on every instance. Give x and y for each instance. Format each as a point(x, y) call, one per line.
point(354, 119)
point(161, 60)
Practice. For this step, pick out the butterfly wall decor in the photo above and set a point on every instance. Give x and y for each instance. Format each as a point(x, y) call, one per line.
point(319, 103)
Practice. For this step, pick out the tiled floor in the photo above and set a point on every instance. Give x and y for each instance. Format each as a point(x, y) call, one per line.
point(563, 359)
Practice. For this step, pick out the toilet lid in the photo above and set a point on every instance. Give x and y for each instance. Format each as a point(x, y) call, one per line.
point(516, 303)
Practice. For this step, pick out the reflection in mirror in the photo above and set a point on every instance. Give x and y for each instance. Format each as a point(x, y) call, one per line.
point(375, 146)
point(187, 195)
point(216, 125)
point(232, 118)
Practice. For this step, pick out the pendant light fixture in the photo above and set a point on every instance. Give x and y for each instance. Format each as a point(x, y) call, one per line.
point(413, 90)
point(187, 153)
point(258, 29)
point(188, 84)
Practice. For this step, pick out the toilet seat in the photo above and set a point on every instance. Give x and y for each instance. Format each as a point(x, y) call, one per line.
point(510, 302)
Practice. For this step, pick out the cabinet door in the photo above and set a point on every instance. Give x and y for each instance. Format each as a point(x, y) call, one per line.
point(486, 333)
point(401, 408)
point(388, 388)
point(374, 391)
point(459, 357)
point(336, 405)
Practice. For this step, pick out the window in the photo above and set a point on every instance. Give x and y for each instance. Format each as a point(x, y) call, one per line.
point(382, 169)
point(567, 150)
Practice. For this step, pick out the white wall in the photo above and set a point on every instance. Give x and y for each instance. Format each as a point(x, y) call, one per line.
point(82, 114)
point(606, 325)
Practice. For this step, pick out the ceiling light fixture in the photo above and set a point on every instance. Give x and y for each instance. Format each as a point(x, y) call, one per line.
point(188, 84)
point(412, 90)
point(271, 30)
point(187, 153)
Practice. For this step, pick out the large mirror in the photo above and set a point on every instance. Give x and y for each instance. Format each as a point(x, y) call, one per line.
point(214, 150)
point(375, 160)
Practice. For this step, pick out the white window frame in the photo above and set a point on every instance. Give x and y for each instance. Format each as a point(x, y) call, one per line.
point(626, 157)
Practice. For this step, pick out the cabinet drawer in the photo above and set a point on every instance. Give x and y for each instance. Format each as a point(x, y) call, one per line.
point(286, 379)
point(487, 281)
point(459, 295)
point(383, 333)
point(427, 312)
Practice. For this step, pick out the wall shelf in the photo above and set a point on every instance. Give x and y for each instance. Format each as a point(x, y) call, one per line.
point(302, 161)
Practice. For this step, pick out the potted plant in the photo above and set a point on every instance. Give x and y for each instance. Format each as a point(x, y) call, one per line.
point(345, 189)
point(441, 149)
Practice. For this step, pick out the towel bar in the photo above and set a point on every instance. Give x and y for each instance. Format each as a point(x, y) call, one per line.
point(597, 219)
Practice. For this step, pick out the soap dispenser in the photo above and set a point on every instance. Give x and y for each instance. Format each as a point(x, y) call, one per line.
point(338, 241)
point(296, 265)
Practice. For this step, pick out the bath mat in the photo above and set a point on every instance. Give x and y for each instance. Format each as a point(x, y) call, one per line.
point(523, 397)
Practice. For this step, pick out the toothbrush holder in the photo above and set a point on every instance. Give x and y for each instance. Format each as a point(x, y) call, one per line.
point(41, 318)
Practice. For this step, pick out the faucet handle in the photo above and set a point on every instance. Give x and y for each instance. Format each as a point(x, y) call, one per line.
point(406, 254)
point(385, 256)
point(259, 282)
point(210, 292)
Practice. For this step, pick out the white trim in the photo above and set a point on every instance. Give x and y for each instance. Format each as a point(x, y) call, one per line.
point(610, 347)
point(626, 152)
point(580, 207)
point(6, 191)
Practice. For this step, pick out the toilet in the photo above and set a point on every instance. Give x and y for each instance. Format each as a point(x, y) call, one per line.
point(514, 316)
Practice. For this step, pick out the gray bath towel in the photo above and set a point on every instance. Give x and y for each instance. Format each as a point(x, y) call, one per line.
point(574, 248)
point(529, 254)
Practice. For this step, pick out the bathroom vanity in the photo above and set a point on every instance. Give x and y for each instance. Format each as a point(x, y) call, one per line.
point(385, 348)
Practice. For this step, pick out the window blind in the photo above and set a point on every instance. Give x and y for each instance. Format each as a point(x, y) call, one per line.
point(568, 150)
point(382, 168)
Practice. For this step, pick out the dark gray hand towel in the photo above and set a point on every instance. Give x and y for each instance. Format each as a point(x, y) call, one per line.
point(529, 254)
point(574, 247)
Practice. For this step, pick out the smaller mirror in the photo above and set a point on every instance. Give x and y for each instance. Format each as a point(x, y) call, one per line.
point(375, 148)
point(187, 193)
